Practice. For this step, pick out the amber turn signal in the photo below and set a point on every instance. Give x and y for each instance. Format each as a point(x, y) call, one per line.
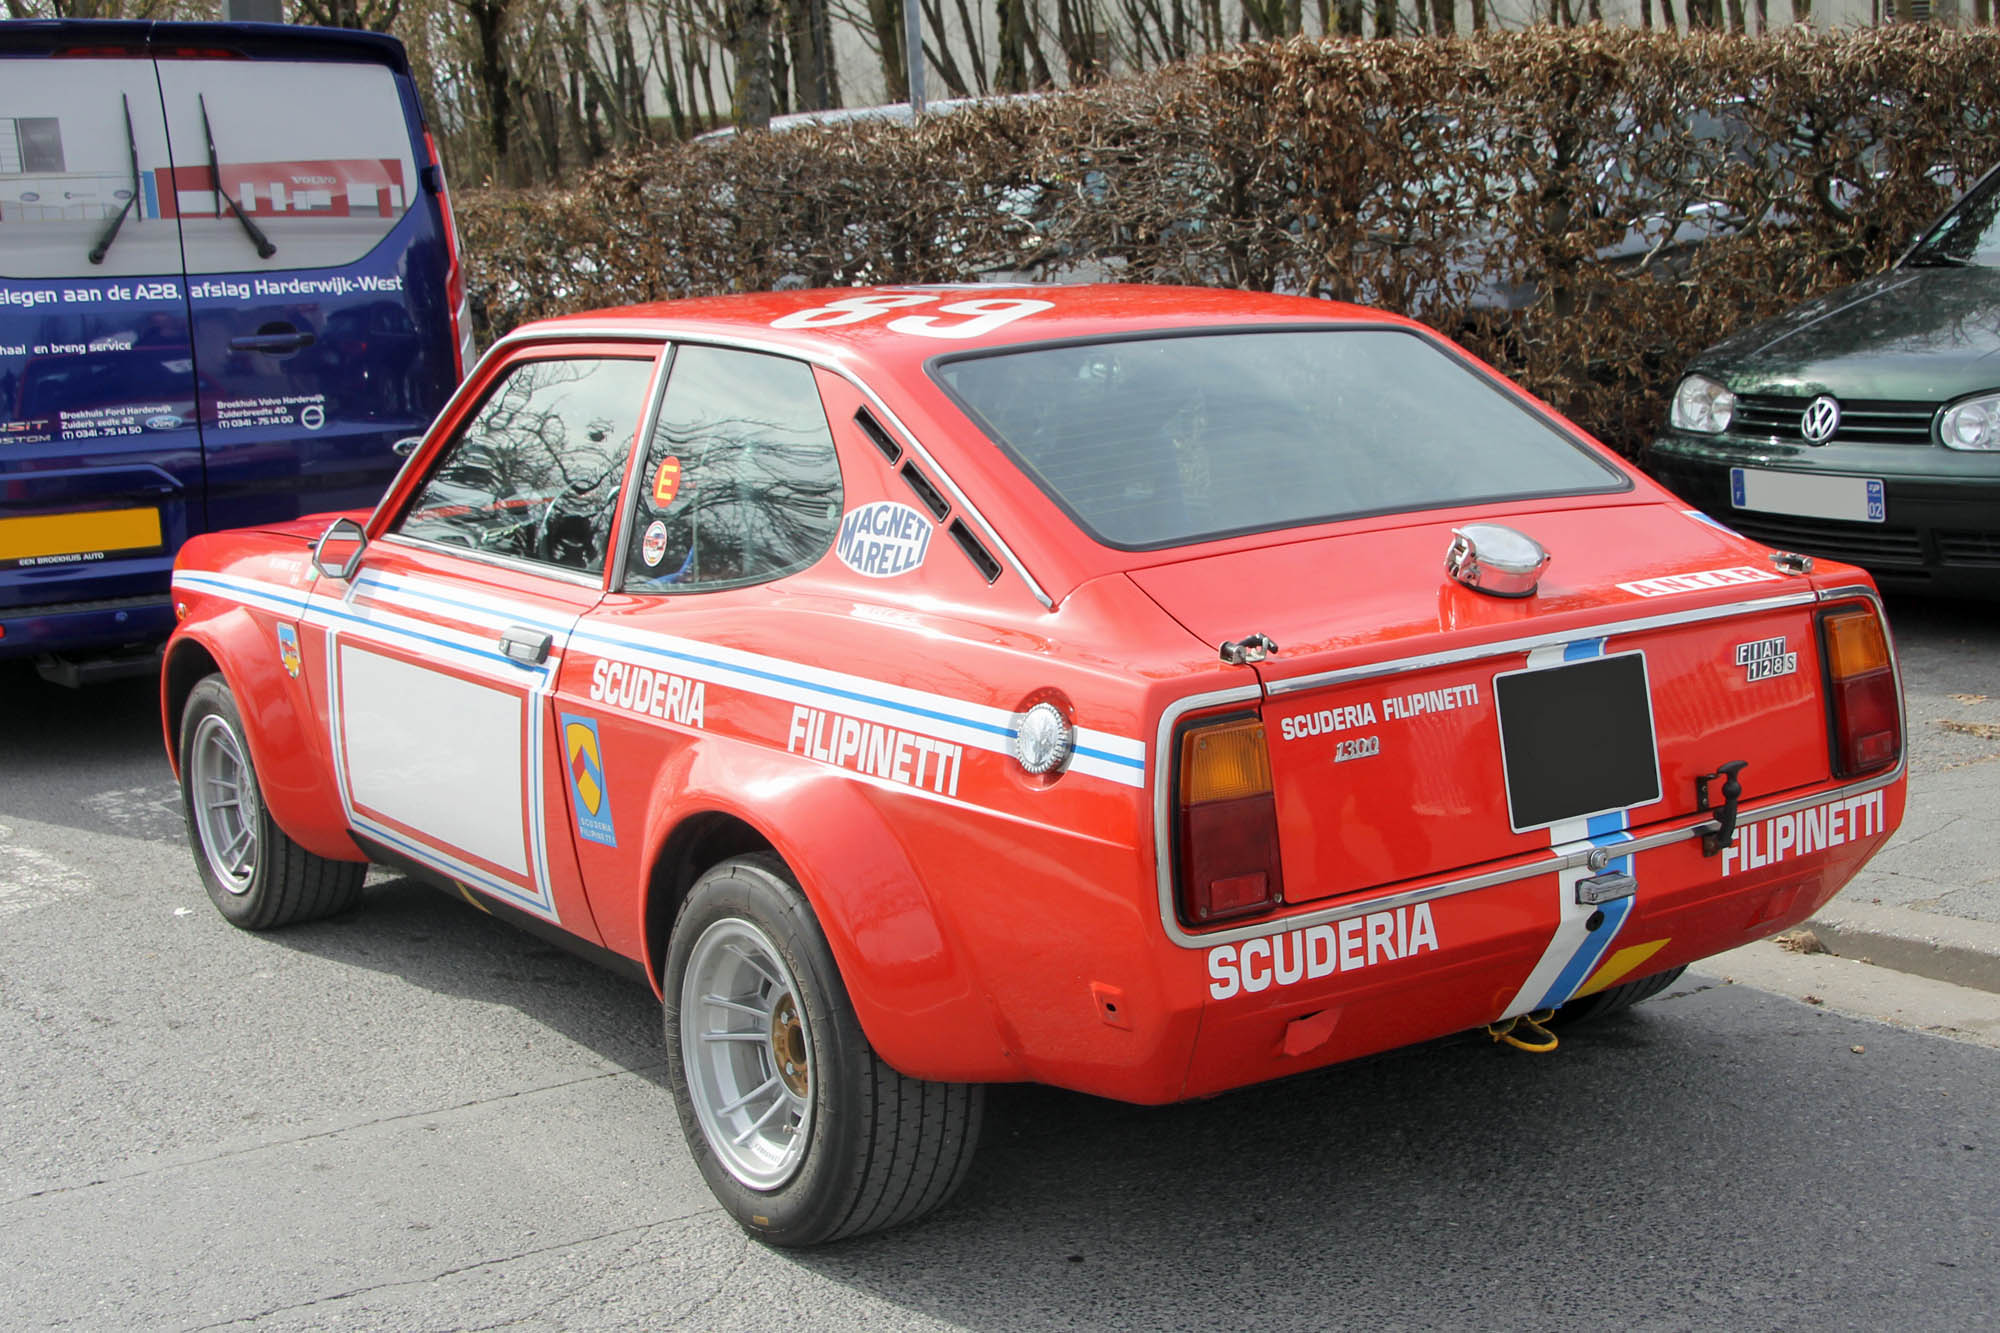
point(1225, 763)
point(1855, 644)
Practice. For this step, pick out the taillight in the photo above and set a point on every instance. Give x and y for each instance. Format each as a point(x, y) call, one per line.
point(454, 278)
point(1864, 705)
point(1228, 824)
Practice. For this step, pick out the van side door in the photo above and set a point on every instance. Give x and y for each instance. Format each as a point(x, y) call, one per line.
point(316, 271)
point(101, 475)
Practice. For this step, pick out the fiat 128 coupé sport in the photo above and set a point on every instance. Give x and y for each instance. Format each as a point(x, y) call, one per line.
point(1147, 692)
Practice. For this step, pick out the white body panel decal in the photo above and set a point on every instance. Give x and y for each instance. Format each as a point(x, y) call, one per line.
point(437, 753)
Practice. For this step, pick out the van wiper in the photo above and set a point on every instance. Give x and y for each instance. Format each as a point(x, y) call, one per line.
point(257, 238)
point(103, 245)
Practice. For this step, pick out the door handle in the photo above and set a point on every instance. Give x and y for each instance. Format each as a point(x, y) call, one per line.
point(274, 344)
point(529, 647)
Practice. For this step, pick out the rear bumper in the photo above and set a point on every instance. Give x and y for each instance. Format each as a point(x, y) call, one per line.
point(1940, 534)
point(1489, 942)
point(105, 626)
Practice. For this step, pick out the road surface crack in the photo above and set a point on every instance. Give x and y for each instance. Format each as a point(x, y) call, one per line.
point(443, 1273)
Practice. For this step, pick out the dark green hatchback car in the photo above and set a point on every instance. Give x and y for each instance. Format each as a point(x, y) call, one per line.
point(1864, 425)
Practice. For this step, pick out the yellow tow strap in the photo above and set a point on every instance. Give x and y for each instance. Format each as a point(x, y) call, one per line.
point(1525, 1032)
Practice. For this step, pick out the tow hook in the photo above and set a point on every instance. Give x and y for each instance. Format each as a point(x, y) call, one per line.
point(1244, 652)
point(1525, 1032)
point(1724, 831)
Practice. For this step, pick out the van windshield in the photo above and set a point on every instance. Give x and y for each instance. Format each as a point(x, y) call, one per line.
point(1171, 440)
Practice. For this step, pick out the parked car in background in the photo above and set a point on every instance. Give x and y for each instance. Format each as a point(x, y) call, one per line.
point(1145, 691)
point(228, 285)
point(1865, 424)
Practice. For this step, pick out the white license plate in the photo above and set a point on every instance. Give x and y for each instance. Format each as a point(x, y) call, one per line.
point(1851, 499)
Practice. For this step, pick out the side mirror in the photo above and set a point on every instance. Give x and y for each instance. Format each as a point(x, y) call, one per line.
point(337, 553)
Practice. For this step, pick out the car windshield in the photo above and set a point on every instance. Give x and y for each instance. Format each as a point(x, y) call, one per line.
point(1969, 233)
point(1170, 440)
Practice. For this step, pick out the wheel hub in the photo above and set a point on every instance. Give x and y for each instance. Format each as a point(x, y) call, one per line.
point(788, 1046)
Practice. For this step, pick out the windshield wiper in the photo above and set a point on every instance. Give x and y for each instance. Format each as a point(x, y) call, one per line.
point(103, 245)
point(257, 238)
point(1938, 259)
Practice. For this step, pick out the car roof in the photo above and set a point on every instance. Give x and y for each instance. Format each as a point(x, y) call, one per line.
point(874, 344)
point(893, 365)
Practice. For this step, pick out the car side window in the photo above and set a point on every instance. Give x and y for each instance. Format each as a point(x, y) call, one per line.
point(741, 483)
point(535, 474)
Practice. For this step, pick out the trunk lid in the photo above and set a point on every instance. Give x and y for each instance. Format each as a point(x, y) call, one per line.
point(1622, 681)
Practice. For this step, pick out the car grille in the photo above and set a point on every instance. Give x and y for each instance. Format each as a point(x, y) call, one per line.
point(1868, 544)
point(1969, 548)
point(1767, 416)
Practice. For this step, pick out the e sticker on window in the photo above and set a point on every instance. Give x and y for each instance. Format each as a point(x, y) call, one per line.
point(666, 482)
point(883, 539)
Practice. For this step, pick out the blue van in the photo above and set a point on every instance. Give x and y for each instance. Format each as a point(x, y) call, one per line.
point(229, 285)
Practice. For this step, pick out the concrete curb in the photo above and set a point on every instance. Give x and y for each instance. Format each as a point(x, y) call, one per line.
point(1953, 949)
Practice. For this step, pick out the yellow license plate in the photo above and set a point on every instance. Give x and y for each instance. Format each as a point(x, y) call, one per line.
point(79, 534)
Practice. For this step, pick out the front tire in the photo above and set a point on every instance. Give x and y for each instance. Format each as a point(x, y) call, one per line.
point(258, 878)
point(802, 1132)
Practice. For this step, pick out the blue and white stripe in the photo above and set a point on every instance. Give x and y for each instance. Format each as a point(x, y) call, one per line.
point(1100, 754)
point(475, 652)
point(1575, 950)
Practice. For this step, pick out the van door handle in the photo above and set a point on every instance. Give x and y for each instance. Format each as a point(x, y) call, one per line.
point(272, 343)
point(529, 647)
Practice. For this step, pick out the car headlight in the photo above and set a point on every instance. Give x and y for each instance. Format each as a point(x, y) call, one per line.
point(1702, 405)
point(1972, 424)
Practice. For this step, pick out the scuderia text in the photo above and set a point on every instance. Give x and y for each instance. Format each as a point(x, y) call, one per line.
point(1320, 951)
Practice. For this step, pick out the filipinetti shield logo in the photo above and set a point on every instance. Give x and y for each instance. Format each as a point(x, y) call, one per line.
point(589, 790)
point(1821, 420)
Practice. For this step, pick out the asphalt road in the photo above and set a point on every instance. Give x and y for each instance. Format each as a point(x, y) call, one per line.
point(416, 1118)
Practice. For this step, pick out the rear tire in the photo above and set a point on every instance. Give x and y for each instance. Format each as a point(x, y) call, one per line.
point(1617, 998)
point(802, 1132)
point(258, 878)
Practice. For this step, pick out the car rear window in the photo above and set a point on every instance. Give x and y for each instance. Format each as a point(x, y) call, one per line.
point(1168, 440)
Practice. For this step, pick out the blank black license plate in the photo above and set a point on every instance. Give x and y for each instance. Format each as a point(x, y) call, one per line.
point(1577, 739)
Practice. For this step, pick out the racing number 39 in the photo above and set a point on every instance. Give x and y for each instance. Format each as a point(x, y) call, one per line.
point(981, 314)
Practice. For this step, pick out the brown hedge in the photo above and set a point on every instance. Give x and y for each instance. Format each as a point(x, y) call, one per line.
point(1642, 194)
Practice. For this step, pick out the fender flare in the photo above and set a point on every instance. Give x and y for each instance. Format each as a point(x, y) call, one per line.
point(914, 986)
point(294, 773)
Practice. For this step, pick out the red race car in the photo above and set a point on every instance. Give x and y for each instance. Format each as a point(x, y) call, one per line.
point(1143, 691)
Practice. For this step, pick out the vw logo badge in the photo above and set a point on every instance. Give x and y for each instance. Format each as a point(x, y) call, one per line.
point(1821, 420)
